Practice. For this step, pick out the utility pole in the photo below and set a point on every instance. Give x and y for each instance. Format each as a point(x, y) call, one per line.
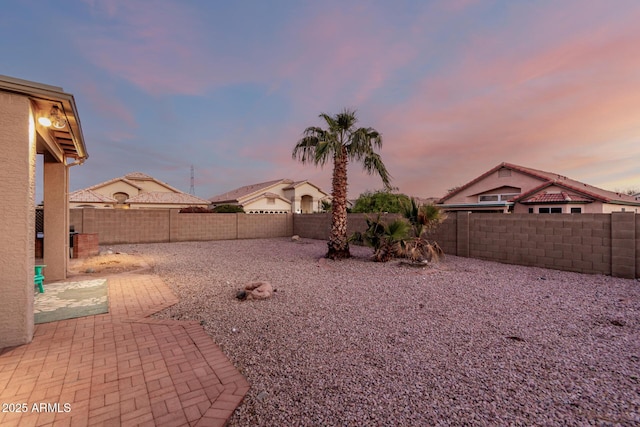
point(192, 189)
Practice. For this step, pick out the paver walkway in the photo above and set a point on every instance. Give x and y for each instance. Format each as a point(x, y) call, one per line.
point(120, 368)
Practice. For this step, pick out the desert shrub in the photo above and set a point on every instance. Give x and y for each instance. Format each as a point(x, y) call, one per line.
point(195, 209)
point(380, 201)
point(228, 209)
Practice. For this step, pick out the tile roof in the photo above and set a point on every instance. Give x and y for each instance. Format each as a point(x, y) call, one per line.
point(562, 197)
point(295, 184)
point(247, 190)
point(89, 196)
point(121, 178)
point(139, 175)
point(131, 179)
point(551, 178)
point(164, 197)
point(268, 196)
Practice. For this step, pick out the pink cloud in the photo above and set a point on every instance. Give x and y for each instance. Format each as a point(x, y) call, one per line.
point(563, 105)
point(340, 57)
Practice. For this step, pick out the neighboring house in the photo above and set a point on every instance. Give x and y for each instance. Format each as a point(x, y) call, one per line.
point(512, 188)
point(133, 191)
point(278, 196)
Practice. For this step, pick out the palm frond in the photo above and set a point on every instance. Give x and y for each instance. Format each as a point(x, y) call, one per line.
point(373, 164)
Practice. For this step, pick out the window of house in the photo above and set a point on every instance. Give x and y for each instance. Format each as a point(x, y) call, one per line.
point(121, 197)
point(489, 198)
point(271, 201)
point(576, 210)
point(550, 210)
point(503, 173)
point(530, 210)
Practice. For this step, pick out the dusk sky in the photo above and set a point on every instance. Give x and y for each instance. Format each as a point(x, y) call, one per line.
point(455, 87)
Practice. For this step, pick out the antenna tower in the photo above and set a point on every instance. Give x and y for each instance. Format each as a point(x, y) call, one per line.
point(192, 189)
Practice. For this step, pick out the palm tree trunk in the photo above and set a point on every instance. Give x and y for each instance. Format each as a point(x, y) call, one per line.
point(338, 243)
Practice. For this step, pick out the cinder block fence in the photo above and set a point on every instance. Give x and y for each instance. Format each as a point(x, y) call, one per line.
point(586, 243)
point(119, 226)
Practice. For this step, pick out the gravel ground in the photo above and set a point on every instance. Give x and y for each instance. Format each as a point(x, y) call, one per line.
point(464, 342)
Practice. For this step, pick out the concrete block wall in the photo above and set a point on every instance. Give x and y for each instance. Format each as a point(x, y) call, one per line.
point(117, 226)
point(586, 243)
point(565, 242)
point(203, 226)
point(318, 226)
point(446, 235)
point(623, 244)
point(120, 226)
point(312, 226)
point(264, 226)
point(637, 246)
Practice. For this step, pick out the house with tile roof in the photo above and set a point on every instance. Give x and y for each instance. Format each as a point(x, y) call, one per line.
point(133, 191)
point(277, 196)
point(512, 188)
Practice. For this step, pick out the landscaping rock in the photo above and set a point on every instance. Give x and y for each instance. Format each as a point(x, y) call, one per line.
point(258, 290)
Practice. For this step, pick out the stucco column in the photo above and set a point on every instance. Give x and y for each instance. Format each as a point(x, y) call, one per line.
point(56, 219)
point(17, 224)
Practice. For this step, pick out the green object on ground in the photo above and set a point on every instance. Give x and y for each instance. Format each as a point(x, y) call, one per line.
point(38, 277)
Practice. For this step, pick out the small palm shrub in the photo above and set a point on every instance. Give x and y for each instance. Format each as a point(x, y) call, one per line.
point(423, 219)
point(388, 240)
point(404, 238)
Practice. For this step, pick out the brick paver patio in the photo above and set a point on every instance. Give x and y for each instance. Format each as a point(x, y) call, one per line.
point(121, 368)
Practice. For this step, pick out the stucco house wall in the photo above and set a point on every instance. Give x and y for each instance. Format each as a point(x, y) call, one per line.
point(17, 184)
point(24, 106)
point(118, 187)
point(298, 195)
point(589, 208)
point(513, 181)
point(264, 204)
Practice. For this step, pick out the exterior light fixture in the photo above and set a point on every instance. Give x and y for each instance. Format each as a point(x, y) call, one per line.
point(44, 121)
point(57, 121)
point(54, 119)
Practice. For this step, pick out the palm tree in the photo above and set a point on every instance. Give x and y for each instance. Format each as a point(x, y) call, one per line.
point(342, 142)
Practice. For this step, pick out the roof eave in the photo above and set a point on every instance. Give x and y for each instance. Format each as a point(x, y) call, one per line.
point(52, 94)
